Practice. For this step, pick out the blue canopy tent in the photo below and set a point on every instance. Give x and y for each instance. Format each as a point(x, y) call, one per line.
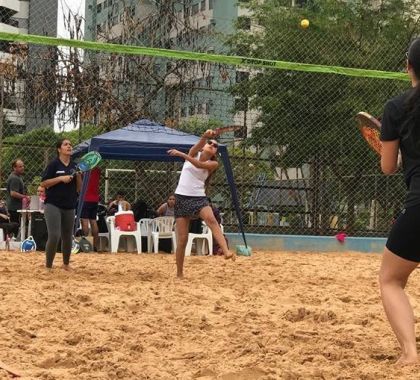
point(145, 140)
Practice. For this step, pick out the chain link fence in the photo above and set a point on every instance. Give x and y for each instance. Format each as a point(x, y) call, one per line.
point(299, 162)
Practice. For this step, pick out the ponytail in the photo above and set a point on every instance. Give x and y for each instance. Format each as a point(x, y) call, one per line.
point(412, 124)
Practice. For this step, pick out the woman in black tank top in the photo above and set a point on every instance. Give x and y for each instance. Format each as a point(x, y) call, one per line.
point(401, 131)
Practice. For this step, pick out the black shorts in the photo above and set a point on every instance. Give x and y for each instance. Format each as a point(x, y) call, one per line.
point(404, 238)
point(89, 210)
point(189, 206)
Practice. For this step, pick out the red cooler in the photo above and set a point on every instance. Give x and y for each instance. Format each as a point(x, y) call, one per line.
point(124, 221)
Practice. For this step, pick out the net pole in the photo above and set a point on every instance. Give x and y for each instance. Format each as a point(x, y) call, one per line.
point(1, 125)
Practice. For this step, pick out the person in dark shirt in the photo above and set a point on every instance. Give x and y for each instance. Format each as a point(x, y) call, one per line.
point(400, 131)
point(16, 193)
point(62, 185)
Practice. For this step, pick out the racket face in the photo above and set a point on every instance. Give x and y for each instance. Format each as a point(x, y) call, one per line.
point(89, 161)
point(365, 119)
point(372, 138)
point(229, 128)
point(370, 130)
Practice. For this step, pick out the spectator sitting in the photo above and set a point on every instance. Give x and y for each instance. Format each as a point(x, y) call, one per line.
point(119, 200)
point(9, 228)
point(141, 210)
point(167, 208)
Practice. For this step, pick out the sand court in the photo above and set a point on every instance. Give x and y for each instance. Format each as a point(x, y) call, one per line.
point(275, 315)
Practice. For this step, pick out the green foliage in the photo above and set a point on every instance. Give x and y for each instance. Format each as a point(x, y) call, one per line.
point(33, 186)
point(309, 117)
point(37, 147)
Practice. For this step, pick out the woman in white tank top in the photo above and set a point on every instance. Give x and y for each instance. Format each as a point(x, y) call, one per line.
point(191, 200)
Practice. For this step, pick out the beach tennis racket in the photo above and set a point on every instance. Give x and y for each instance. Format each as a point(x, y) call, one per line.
point(228, 128)
point(370, 128)
point(87, 162)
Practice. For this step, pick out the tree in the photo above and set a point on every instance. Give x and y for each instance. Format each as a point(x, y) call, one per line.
point(309, 117)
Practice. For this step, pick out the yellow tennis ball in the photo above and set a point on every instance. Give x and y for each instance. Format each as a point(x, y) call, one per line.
point(304, 23)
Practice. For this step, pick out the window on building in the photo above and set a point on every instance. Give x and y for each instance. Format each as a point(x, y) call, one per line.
point(207, 108)
point(209, 81)
point(244, 23)
point(192, 110)
point(211, 4)
point(241, 104)
point(5, 46)
point(99, 8)
point(203, 5)
point(194, 9)
point(183, 111)
point(241, 133)
point(242, 76)
point(9, 101)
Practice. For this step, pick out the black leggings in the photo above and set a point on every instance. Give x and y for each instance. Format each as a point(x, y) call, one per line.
point(60, 223)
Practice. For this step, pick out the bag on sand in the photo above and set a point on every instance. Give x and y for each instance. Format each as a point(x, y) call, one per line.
point(85, 245)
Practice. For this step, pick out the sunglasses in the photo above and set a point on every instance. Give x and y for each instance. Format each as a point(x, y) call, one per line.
point(213, 143)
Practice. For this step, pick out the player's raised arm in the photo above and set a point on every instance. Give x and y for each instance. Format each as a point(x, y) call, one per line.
point(209, 134)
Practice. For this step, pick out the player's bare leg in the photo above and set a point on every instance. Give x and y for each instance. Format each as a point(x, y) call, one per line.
point(393, 278)
point(182, 227)
point(207, 215)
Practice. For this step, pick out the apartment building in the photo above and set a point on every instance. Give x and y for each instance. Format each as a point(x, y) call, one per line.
point(198, 91)
point(34, 17)
point(14, 18)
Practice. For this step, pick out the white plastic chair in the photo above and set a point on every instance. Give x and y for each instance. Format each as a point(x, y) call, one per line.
point(115, 234)
point(201, 239)
point(163, 228)
point(146, 230)
point(104, 243)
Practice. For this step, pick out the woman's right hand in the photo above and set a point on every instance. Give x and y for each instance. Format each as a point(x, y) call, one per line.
point(66, 178)
point(209, 134)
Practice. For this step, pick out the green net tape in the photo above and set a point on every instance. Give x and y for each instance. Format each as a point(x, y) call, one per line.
point(205, 57)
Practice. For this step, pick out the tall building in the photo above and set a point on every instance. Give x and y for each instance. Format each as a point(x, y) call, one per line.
point(191, 90)
point(28, 63)
point(14, 16)
point(41, 65)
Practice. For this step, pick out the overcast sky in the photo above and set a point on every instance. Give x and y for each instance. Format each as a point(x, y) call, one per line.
point(77, 6)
